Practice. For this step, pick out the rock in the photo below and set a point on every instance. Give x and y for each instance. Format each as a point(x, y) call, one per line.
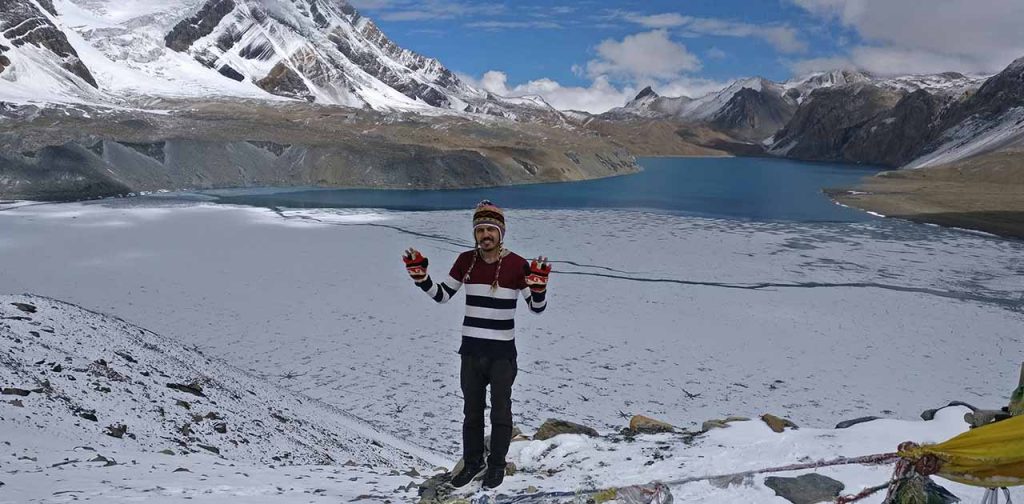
point(181, 469)
point(777, 424)
point(921, 490)
point(126, 356)
point(25, 307)
point(16, 403)
point(984, 417)
point(88, 415)
point(167, 451)
point(194, 389)
point(850, 423)
point(106, 462)
point(930, 414)
point(553, 427)
point(653, 493)
point(117, 430)
point(212, 449)
point(435, 488)
point(510, 469)
point(220, 427)
point(14, 391)
point(805, 489)
point(715, 423)
point(183, 404)
point(647, 425)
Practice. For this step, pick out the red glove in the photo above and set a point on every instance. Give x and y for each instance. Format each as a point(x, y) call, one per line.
point(415, 264)
point(537, 274)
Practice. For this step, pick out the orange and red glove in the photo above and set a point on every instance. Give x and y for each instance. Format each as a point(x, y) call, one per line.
point(415, 264)
point(537, 274)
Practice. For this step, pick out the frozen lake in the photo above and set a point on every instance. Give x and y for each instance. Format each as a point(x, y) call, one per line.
point(678, 317)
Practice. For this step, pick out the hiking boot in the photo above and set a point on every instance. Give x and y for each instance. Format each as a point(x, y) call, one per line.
point(494, 476)
point(468, 473)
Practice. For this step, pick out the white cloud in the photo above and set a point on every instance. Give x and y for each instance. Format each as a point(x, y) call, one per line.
point(715, 53)
point(905, 36)
point(600, 96)
point(783, 38)
point(643, 55)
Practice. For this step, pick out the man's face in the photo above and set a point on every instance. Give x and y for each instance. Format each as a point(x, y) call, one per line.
point(487, 237)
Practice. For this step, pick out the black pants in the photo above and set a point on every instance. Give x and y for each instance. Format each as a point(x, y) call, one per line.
point(477, 373)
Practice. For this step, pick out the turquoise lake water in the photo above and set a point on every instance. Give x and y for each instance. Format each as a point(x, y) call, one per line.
point(741, 188)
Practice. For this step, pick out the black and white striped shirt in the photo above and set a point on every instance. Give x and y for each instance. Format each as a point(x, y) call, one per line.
point(489, 324)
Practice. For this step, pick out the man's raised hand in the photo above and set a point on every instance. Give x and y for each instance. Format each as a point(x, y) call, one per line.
point(537, 274)
point(415, 264)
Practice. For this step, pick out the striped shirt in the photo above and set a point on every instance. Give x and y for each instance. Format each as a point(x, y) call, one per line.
point(489, 325)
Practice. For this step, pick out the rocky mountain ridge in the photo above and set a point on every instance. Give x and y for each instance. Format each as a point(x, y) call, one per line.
point(855, 117)
point(92, 52)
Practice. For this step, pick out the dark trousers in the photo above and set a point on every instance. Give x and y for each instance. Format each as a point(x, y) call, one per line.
point(477, 373)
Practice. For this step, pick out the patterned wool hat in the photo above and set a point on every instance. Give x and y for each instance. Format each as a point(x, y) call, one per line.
point(488, 214)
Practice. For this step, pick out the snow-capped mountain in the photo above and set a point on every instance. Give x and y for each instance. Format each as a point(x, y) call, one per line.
point(913, 121)
point(323, 51)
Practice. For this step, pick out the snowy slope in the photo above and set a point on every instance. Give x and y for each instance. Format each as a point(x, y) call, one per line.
point(975, 136)
point(89, 373)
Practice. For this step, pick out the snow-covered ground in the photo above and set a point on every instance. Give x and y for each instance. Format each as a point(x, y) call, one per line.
point(682, 319)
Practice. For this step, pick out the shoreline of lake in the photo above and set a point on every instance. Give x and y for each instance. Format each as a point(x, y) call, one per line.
point(990, 208)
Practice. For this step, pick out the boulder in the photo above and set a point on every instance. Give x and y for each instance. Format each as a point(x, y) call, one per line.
point(116, 430)
point(25, 307)
point(721, 424)
point(777, 424)
point(647, 425)
point(553, 427)
point(194, 389)
point(979, 418)
point(805, 489)
point(850, 423)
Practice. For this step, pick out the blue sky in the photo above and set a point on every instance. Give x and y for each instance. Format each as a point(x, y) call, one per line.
point(594, 54)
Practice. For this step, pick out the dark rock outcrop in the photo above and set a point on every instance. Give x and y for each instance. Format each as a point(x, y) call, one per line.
point(189, 30)
point(230, 73)
point(283, 81)
point(829, 119)
point(896, 137)
point(754, 115)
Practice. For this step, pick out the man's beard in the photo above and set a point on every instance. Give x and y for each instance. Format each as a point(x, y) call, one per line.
point(486, 243)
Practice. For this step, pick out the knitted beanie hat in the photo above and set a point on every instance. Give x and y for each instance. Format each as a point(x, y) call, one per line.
point(488, 214)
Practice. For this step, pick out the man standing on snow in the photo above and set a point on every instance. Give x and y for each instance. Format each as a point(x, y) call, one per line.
point(494, 278)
